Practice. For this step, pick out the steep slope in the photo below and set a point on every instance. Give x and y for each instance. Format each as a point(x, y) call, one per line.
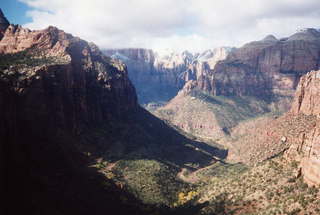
point(306, 148)
point(206, 116)
point(65, 107)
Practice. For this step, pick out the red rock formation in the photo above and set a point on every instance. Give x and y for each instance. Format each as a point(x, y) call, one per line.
point(268, 68)
point(308, 94)
point(85, 85)
point(307, 148)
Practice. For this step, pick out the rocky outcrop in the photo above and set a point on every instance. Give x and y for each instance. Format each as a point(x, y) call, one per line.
point(4, 23)
point(308, 94)
point(306, 148)
point(159, 76)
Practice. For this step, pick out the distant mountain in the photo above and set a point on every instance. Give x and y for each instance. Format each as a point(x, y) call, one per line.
point(158, 76)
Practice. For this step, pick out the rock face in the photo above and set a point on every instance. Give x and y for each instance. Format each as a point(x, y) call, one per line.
point(159, 76)
point(268, 68)
point(153, 83)
point(53, 88)
point(85, 86)
point(307, 148)
point(4, 23)
point(307, 95)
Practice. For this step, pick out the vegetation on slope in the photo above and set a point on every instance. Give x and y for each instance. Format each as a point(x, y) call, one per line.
point(211, 117)
point(272, 187)
point(26, 58)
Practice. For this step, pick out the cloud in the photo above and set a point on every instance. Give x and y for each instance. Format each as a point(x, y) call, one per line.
point(175, 24)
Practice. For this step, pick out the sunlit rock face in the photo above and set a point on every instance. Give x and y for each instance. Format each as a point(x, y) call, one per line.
point(268, 68)
point(306, 148)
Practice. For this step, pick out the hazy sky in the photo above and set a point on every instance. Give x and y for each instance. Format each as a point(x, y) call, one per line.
point(176, 24)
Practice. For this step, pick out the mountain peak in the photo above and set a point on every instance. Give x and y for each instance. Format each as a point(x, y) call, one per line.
point(4, 23)
point(1, 13)
point(270, 37)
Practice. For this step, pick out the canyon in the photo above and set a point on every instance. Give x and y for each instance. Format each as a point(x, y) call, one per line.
point(69, 114)
point(139, 131)
point(230, 95)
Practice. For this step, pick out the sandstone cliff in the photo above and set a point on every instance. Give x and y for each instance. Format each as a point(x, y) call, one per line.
point(269, 68)
point(306, 148)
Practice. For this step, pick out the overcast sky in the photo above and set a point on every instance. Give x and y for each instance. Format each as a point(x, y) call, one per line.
point(176, 24)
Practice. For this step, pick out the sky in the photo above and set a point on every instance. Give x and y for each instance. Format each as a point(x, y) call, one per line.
point(194, 25)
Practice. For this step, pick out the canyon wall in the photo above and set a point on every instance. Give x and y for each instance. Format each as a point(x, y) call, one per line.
point(158, 76)
point(306, 148)
point(269, 68)
point(53, 88)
